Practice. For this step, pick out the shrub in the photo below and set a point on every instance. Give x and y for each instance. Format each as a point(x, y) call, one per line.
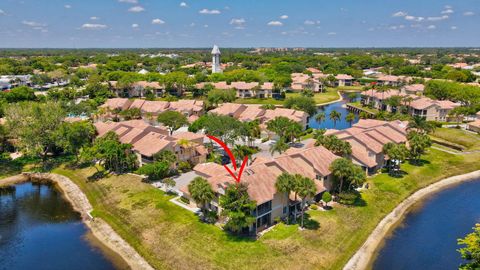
point(184, 166)
point(313, 207)
point(184, 200)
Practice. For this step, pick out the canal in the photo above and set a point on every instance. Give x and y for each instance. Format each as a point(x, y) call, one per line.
point(427, 238)
point(340, 107)
point(40, 230)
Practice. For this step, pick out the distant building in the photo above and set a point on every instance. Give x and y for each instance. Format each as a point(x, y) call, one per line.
point(216, 66)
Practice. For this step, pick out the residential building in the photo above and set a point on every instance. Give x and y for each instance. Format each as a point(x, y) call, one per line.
point(243, 89)
point(302, 81)
point(148, 140)
point(413, 89)
point(475, 125)
point(343, 80)
point(391, 80)
point(261, 176)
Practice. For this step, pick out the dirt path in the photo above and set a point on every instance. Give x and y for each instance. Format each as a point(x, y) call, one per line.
point(362, 258)
point(100, 229)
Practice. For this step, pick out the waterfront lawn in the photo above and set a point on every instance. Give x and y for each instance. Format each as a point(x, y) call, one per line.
point(469, 141)
point(358, 105)
point(329, 95)
point(171, 237)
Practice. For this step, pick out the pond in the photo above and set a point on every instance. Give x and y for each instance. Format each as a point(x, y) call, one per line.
point(339, 107)
point(427, 238)
point(40, 230)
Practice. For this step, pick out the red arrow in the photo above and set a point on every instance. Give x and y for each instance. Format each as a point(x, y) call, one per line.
point(232, 158)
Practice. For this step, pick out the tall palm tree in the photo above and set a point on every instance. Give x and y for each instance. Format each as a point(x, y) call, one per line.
point(286, 183)
point(335, 116)
point(305, 187)
point(201, 192)
point(420, 124)
point(320, 117)
point(350, 118)
point(341, 168)
point(279, 146)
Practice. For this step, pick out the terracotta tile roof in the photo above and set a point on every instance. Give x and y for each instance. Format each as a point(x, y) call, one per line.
point(343, 77)
point(209, 169)
point(104, 127)
point(154, 107)
point(230, 109)
point(188, 136)
point(424, 103)
point(137, 103)
point(414, 88)
point(475, 123)
point(289, 113)
point(361, 155)
point(251, 113)
point(117, 103)
point(388, 78)
point(152, 143)
point(382, 95)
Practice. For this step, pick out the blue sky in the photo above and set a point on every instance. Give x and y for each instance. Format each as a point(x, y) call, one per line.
point(239, 23)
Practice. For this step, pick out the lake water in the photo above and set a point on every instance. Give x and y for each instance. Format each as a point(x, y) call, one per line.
point(427, 239)
point(337, 106)
point(40, 230)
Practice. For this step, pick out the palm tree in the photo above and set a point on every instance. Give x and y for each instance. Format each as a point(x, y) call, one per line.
point(305, 188)
point(341, 168)
point(335, 116)
point(286, 183)
point(320, 117)
point(201, 192)
point(350, 118)
point(363, 115)
point(279, 146)
point(420, 124)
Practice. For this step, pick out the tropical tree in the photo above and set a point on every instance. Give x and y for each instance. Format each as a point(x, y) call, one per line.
point(471, 250)
point(363, 115)
point(73, 136)
point(350, 118)
point(156, 170)
point(341, 168)
point(357, 176)
point(173, 120)
point(237, 207)
point(302, 103)
point(252, 130)
point(418, 143)
point(286, 183)
point(201, 192)
point(279, 146)
point(395, 152)
point(326, 198)
point(165, 155)
point(334, 116)
point(334, 144)
point(305, 188)
point(320, 117)
point(133, 113)
point(420, 124)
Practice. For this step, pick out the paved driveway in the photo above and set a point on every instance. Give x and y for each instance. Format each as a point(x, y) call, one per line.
point(184, 179)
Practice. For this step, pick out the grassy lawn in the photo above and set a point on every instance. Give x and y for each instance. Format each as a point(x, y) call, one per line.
point(171, 237)
point(320, 98)
point(469, 141)
point(357, 104)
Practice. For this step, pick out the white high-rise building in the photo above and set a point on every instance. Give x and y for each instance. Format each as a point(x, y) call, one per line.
point(216, 67)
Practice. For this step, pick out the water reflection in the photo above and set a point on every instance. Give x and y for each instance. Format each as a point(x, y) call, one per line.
point(340, 107)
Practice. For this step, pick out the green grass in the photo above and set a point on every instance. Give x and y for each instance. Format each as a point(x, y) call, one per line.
point(467, 140)
point(171, 237)
point(358, 105)
point(320, 98)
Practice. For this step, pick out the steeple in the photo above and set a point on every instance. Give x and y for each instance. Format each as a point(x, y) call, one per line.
point(216, 67)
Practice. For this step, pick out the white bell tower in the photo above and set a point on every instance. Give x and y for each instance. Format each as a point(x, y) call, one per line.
point(216, 68)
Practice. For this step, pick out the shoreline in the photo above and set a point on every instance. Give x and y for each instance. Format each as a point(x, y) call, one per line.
point(363, 258)
point(79, 201)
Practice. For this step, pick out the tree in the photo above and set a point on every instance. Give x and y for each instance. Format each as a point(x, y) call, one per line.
point(133, 113)
point(237, 207)
point(326, 198)
point(73, 136)
point(341, 169)
point(227, 128)
point(201, 192)
point(156, 170)
point(173, 120)
point(18, 94)
point(35, 126)
point(252, 131)
point(471, 250)
point(420, 124)
point(302, 103)
point(334, 144)
point(418, 143)
point(357, 176)
point(334, 116)
point(350, 118)
point(363, 115)
point(305, 188)
point(216, 96)
point(285, 128)
point(395, 152)
point(286, 183)
point(279, 146)
point(320, 117)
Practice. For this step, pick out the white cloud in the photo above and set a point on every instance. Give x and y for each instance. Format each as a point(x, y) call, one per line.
point(447, 11)
point(310, 22)
point(67, 6)
point(2, 12)
point(129, 1)
point(136, 9)
point(157, 21)
point(331, 33)
point(183, 4)
point(205, 25)
point(192, 24)
point(94, 18)
point(275, 23)
point(399, 14)
point(454, 27)
point(468, 13)
point(448, 7)
point(431, 27)
point(413, 18)
point(93, 26)
point(441, 18)
point(135, 25)
point(239, 23)
point(209, 11)
point(284, 17)
point(33, 24)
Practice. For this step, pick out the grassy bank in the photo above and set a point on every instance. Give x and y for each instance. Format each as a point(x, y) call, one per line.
point(329, 95)
point(469, 141)
point(171, 237)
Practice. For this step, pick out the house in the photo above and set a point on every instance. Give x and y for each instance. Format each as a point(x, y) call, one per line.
point(377, 99)
point(367, 138)
point(243, 89)
point(137, 89)
point(475, 125)
point(302, 81)
point(432, 110)
point(245, 113)
point(261, 176)
point(391, 80)
point(413, 89)
point(148, 140)
point(343, 80)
